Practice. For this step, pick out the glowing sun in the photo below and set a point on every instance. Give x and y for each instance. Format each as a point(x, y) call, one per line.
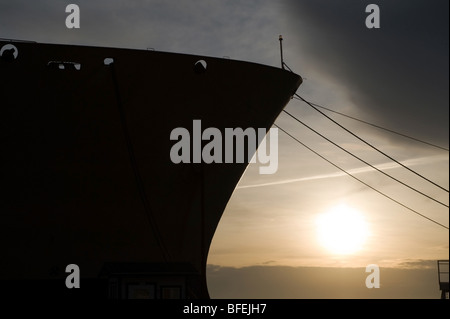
point(342, 230)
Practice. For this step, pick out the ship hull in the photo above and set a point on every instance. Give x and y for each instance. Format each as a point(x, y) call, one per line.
point(87, 173)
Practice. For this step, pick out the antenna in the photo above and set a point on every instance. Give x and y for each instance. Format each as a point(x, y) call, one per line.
point(281, 51)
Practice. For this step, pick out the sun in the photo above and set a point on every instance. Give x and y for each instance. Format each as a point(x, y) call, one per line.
point(342, 230)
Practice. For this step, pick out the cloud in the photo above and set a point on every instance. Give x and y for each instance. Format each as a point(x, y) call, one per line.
point(268, 262)
point(282, 282)
point(417, 264)
point(384, 167)
point(397, 75)
point(205, 27)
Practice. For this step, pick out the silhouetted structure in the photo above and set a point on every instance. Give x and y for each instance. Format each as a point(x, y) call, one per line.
point(443, 272)
point(87, 177)
point(151, 280)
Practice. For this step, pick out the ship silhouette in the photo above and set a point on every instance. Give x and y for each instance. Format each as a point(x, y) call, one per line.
point(86, 173)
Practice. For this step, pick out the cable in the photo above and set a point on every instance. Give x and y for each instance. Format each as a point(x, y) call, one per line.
point(378, 126)
point(362, 182)
point(365, 162)
point(367, 143)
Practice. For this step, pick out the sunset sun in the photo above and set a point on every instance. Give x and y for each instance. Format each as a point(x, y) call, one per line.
point(342, 230)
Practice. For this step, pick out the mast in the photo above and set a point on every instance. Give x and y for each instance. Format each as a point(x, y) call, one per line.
point(281, 51)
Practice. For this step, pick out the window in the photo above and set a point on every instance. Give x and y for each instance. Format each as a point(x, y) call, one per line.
point(171, 292)
point(140, 291)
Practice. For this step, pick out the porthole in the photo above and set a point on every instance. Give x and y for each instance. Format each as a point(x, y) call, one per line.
point(200, 66)
point(108, 61)
point(9, 52)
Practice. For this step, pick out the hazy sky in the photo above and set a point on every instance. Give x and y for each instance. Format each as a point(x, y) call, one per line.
point(395, 76)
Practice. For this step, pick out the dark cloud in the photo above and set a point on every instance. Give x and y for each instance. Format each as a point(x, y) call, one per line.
point(281, 282)
point(207, 27)
point(399, 74)
point(418, 264)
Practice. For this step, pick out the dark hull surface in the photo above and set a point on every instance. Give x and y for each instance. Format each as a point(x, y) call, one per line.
point(86, 174)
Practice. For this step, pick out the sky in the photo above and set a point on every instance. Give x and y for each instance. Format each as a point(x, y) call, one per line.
point(396, 76)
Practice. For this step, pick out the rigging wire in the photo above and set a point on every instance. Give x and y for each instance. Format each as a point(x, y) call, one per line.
point(365, 162)
point(361, 181)
point(378, 126)
point(370, 145)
